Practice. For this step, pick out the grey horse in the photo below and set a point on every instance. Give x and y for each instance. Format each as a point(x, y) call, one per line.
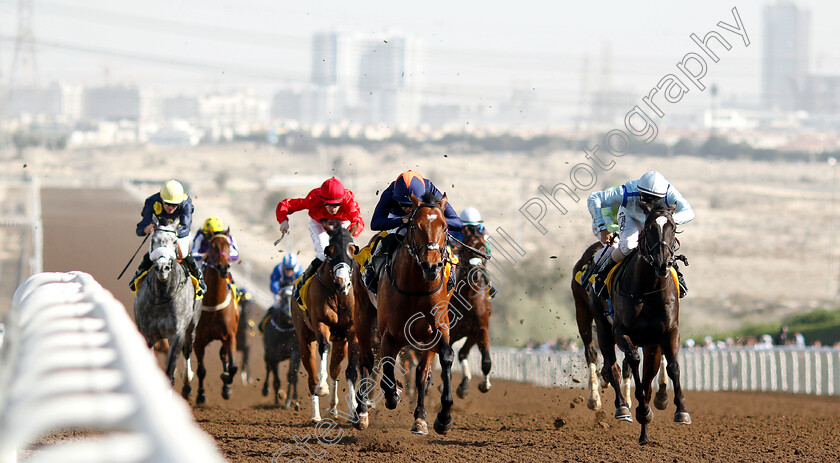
point(165, 306)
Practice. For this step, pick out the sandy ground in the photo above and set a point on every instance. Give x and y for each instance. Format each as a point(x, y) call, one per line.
point(762, 244)
point(513, 422)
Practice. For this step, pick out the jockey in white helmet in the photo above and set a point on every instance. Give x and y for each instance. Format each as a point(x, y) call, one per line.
point(651, 187)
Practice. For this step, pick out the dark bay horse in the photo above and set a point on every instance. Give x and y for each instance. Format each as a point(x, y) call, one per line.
point(219, 315)
point(329, 316)
point(586, 312)
point(411, 307)
point(244, 332)
point(470, 309)
point(165, 307)
point(647, 308)
point(280, 344)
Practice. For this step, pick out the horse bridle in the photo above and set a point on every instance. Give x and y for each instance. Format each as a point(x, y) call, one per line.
point(431, 245)
point(646, 251)
point(211, 262)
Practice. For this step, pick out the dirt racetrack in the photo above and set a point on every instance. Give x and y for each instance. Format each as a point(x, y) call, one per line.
point(93, 231)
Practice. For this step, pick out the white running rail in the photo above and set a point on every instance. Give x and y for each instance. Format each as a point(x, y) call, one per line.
point(780, 369)
point(72, 359)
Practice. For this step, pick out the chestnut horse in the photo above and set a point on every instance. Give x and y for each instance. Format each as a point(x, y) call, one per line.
point(219, 316)
point(411, 306)
point(647, 309)
point(329, 316)
point(470, 311)
point(586, 312)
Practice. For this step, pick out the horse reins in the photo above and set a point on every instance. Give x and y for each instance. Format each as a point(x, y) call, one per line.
point(415, 253)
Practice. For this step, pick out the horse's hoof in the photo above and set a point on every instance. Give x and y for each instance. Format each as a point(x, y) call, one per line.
point(332, 412)
point(594, 404)
point(322, 390)
point(362, 422)
point(296, 406)
point(287, 404)
point(391, 401)
point(661, 400)
point(200, 399)
point(265, 392)
point(225, 378)
point(370, 404)
point(623, 414)
point(316, 419)
point(463, 391)
point(682, 418)
point(244, 377)
point(421, 427)
point(226, 392)
point(185, 392)
point(484, 387)
point(442, 427)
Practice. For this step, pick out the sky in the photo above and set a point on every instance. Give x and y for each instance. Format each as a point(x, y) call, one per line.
point(481, 49)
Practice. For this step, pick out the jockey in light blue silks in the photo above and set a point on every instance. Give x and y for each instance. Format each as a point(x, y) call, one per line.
point(650, 188)
point(284, 275)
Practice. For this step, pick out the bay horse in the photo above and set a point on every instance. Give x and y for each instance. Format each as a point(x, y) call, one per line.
point(244, 332)
point(280, 344)
point(469, 313)
point(329, 316)
point(219, 315)
point(586, 312)
point(647, 308)
point(165, 307)
point(411, 307)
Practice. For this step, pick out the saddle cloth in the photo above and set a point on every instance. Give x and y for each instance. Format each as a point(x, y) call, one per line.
point(608, 280)
point(303, 291)
point(140, 278)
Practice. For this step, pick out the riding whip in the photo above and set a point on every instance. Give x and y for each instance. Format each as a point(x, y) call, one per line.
point(280, 239)
point(132, 257)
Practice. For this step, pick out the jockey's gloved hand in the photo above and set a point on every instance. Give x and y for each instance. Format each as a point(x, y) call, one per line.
point(284, 226)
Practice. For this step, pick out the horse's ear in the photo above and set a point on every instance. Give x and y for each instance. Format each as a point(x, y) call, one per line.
point(227, 231)
point(329, 250)
point(354, 249)
point(443, 201)
point(672, 209)
point(415, 201)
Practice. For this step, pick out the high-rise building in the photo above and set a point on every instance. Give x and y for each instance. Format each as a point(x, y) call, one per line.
point(369, 78)
point(785, 55)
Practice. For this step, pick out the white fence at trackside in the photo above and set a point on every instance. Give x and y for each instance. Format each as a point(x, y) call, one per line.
point(780, 369)
point(73, 360)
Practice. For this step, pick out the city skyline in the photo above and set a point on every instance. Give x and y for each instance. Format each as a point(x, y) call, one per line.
point(481, 52)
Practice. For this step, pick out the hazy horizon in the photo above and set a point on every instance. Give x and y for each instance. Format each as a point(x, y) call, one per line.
point(484, 50)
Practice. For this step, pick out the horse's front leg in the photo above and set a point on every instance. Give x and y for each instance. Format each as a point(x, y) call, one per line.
point(422, 376)
point(324, 348)
point(486, 364)
point(337, 354)
point(443, 422)
point(363, 319)
point(175, 344)
point(611, 372)
point(389, 351)
point(671, 350)
point(464, 388)
point(644, 414)
point(660, 401)
point(226, 355)
point(200, 398)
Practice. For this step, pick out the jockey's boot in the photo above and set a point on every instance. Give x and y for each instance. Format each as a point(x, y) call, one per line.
point(386, 246)
point(309, 273)
point(145, 265)
point(491, 293)
point(450, 284)
point(196, 272)
point(681, 280)
point(598, 286)
point(372, 269)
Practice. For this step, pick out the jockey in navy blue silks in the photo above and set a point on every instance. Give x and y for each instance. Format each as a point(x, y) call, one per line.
point(169, 204)
point(394, 204)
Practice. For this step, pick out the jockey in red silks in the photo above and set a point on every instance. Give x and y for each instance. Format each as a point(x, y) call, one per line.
point(331, 201)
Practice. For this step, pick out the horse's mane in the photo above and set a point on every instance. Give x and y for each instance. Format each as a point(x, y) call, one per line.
point(429, 198)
